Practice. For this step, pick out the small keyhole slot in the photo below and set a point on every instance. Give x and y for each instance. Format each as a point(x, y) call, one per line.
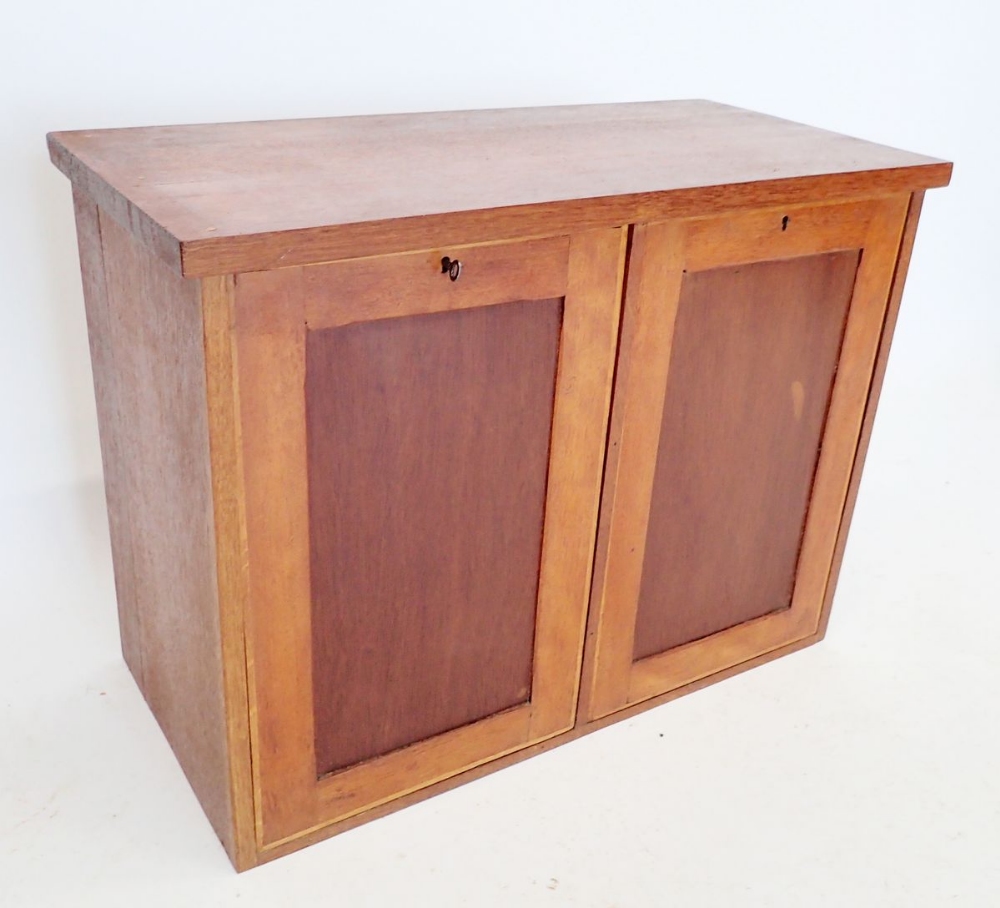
point(451, 267)
point(784, 222)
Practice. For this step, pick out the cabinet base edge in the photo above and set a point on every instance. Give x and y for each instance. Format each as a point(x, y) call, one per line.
point(579, 730)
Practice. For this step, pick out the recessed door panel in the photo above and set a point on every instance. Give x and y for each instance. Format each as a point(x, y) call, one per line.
point(752, 363)
point(428, 442)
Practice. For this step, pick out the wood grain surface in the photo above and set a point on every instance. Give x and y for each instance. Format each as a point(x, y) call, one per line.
point(145, 325)
point(353, 505)
point(592, 306)
point(477, 771)
point(685, 663)
point(232, 564)
point(112, 421)
point(651, 289)
point(270, 321)
point(751, 368)
point(428, 455)
point(271, 356)
point(365, 290)
point(224, 198)
point(878, 377)
point(613, 677)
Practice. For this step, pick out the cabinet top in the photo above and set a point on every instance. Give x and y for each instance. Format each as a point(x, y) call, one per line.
point(231, 197)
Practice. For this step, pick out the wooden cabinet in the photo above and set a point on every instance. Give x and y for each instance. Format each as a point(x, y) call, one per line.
point(431, 441)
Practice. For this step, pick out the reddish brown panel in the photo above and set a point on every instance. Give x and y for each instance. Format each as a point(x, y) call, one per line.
point(428, 445)
point(754, 355)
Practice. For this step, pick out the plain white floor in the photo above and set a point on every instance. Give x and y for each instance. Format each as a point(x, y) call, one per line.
point(863, 771)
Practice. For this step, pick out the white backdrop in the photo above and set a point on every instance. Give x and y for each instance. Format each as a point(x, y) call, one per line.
point(917, 607)
point(909, 74)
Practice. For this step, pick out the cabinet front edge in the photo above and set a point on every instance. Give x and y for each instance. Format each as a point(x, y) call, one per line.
point(217, 298)
point(316, 244)
point(901, 269)
point(222, 254)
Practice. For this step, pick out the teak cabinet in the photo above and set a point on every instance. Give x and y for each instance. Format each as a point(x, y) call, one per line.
point(434, 440)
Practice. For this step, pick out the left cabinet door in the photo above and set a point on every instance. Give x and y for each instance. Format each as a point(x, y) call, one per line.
point(422, 463)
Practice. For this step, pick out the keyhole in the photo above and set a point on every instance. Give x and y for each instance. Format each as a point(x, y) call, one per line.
point(451, 267)
point(784, 222)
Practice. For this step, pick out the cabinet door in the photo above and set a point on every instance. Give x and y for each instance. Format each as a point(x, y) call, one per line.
point(422, 463)
point(748, 343)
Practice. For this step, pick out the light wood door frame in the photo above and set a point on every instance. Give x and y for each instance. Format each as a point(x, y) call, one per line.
point(661, 254)
point(273, 311)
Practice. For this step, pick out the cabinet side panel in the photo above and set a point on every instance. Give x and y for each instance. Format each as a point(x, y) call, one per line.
point(754, 354)
point(154, 433)
point(112, 426)
point(428, 446)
